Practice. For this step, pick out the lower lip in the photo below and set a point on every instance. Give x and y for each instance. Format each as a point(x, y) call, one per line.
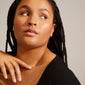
point(30, 33)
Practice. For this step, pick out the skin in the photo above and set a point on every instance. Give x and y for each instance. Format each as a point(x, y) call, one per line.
point(37, 44)
point(36, 15)
point(10, 63)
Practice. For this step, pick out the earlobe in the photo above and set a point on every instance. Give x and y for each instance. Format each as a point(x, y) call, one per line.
point(51, 35)
point(13, 28)
point(54, 26)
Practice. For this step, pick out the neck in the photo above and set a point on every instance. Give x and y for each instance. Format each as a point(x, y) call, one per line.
point(31, 56)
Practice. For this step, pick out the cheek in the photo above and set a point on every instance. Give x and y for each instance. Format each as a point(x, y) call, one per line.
point(17, 26)
point(19, 22)
point(46, 30)
point(45, 33)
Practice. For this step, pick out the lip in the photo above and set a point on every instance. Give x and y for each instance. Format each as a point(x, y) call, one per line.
point(30, 32)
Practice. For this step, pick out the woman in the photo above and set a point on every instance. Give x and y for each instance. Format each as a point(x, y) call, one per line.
point(36, 36)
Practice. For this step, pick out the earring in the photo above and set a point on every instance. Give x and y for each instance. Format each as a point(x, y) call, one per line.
point(13, 29)
point(51, 35)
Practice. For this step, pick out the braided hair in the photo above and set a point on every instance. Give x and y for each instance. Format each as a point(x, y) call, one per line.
point(56, 43)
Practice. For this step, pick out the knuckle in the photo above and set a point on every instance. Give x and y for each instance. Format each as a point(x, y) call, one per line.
point(2, 65)
point(16, 65)
point(11, 68)
point(18, 70)
point(12, 73)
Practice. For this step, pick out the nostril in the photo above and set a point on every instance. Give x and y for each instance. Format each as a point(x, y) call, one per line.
point(34, 24)
point(30, 24)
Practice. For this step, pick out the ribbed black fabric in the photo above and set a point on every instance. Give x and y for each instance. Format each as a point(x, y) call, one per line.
point(57, 73)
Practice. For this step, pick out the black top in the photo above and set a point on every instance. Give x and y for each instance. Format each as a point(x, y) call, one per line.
point(57, 73)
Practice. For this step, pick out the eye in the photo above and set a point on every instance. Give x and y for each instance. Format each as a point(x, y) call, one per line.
point(43, 17)
point(25, 14)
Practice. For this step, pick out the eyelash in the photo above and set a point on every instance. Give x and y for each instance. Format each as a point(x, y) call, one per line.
point(44, 16)
point(27, 14)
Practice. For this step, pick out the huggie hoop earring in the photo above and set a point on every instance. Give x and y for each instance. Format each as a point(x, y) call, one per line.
point(51, 35)
point(13, 29)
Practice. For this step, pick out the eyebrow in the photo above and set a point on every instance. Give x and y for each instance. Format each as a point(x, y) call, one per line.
point(24, 6)
point(41, 9)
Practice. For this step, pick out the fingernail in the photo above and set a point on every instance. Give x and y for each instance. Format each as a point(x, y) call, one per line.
point(20, 79)
point(29, 67)
point(5, 76)
point(14, 80)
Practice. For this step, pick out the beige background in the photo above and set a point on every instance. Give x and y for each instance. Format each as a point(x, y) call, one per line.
point(73, 16)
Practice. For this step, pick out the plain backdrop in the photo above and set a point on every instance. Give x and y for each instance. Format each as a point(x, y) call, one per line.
point(73, 17)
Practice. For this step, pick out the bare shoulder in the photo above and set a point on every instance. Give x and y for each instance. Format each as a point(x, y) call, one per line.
point(4, 81)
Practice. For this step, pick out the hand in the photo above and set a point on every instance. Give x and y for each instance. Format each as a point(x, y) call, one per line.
point(12, 65)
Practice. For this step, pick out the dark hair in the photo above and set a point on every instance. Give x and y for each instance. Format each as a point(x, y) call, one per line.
point(56, 43)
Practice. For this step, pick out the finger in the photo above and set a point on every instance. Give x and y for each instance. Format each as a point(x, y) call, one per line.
point(17, 70)
point(3, 69)
point(11, 70)
point(22, 63)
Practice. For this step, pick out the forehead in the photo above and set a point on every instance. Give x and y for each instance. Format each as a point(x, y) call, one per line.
point(36, 4)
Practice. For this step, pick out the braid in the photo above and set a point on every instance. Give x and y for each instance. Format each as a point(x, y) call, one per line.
point(10, 34)
point(57, 42)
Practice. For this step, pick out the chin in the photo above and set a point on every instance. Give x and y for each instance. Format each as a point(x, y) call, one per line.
point(29, 44)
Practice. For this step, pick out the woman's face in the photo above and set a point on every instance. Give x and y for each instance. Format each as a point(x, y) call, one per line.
point(33, 23)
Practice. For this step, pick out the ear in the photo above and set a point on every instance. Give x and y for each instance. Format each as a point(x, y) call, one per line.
point(13, 27)
point(53, 28)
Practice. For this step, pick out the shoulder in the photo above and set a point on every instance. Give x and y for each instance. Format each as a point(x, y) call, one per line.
point(59, 73)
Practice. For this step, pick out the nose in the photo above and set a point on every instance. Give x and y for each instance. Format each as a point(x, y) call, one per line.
point(32, 21)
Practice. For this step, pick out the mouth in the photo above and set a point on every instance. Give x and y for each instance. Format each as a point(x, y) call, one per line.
point(30, 32)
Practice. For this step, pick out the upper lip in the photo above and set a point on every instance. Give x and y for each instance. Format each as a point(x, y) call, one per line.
point(31, 30)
